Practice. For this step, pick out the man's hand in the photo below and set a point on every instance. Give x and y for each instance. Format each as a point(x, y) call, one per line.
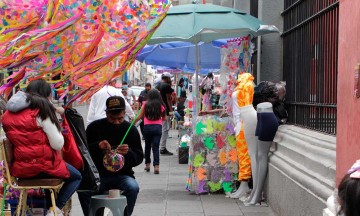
point(105, 145)
point(123, 149)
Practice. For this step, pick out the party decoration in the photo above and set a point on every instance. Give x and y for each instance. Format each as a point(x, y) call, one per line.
point(6, 192)
point(211, 158)
point(86, 43)
point(216, 175)
point(227, 186)
point(201, 187)
point(214, 186)
point(198, 146)
point(201, 173)
point(200, 128)
point(198, 160)
point(189, 179)
point(232, 155)
point(227, 175)
point(219, 126)
point(233, 167)
point(229, 127)
point(236, 58)
point(209, 126)
point(209, 143)
point(222, 157)
point(220, 141)
point(232, 141)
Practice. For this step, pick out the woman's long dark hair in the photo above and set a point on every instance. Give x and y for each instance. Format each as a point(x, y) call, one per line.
point(349, 195)
point(153, 105)
point(38, 92)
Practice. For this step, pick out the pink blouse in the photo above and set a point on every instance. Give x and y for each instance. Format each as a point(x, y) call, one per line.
point(147, 121)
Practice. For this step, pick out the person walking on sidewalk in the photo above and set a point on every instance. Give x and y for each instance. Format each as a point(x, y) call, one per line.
point(106, 134)
point(130, 95)
point(97, 103)
point(153, 112)
point(141, 99)
point(165, 90)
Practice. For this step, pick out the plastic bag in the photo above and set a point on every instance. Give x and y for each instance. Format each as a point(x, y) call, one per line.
point(90, 175)
point(71, 153)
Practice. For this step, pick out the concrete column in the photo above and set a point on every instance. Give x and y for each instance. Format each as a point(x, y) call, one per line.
point(270, 46)
point(242, 5)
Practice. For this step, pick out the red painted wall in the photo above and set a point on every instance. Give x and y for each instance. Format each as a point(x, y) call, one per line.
point(348, 107)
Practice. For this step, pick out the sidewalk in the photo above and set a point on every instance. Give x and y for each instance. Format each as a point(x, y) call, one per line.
point(165, 194)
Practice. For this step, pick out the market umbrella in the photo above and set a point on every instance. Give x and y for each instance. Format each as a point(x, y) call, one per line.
point(181, 55)
point(184, 70)
point(196, 23)
point(207, 22)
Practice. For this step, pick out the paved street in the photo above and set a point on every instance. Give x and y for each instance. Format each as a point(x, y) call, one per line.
point(165, 194)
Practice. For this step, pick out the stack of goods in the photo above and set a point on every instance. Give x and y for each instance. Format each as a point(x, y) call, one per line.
point(213, 156)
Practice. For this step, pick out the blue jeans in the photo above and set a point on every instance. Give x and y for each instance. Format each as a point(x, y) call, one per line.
point(178, 116)
point(152, 135)
point(69, 187)
point(123, 182)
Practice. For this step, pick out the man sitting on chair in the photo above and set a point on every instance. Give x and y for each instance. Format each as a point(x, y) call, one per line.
point(104, 135)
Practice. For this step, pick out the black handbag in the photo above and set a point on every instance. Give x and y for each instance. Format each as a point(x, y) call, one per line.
point(90, 175)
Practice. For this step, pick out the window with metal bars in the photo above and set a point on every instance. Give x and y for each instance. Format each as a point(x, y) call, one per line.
point(310, 60)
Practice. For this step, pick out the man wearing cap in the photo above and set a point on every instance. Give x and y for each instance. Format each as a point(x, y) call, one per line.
point(165, 90)
point(104, 135)
point(97, 103)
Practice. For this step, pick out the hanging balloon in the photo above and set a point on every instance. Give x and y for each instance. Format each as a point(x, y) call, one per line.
point(25, 4)
point(158, 7)
point(120, 19)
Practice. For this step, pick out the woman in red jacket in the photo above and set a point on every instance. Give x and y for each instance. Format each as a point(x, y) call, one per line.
point(31, 125)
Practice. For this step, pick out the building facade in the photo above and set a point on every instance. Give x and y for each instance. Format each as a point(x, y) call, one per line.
point(348, 112)
point(302, 168)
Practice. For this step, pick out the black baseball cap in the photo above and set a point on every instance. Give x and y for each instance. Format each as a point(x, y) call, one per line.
point(115, 103)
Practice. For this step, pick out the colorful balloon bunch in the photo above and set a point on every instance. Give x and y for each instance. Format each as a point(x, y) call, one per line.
point(82, 42)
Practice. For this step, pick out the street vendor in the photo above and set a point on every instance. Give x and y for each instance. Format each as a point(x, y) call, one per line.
point(105, 134)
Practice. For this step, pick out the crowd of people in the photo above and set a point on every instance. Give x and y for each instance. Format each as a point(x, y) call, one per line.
point(109, 118)
point(111, 111)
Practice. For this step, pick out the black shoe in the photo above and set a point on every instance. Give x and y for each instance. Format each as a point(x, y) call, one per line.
point(165, 152)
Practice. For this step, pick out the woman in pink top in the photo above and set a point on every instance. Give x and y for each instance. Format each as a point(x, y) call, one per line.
point(153, 111)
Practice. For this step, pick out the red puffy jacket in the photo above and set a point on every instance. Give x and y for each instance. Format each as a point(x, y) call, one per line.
point(32, 152)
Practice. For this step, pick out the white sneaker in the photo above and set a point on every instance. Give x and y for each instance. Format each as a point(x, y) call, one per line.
point(51, 212)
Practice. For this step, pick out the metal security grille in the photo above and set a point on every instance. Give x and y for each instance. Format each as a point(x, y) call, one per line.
point(310, 41)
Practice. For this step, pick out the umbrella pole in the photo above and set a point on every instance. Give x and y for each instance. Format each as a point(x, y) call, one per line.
point(196, 88)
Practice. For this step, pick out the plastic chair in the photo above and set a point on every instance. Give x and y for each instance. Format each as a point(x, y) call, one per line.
point(22, 184)
point(116, 205)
